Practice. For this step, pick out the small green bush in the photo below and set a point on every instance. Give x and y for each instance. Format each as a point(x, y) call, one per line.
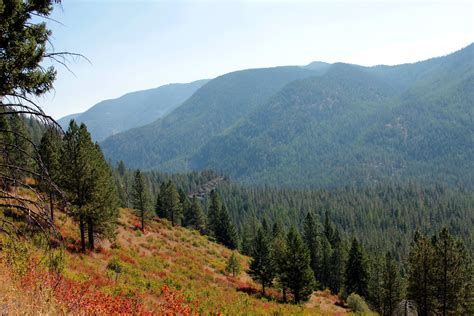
point(357, 304)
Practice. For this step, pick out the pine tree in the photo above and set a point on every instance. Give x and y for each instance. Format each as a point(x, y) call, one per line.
point(313, 242)
point(141, 199)
point(103, 209)
point(326, 268)
point(337, 264)
point(88, 183)
point(356, 278)
point(450, 277)
point(298, 276)
point(21, 150)
point(160, 202)
point(214, 213)
point(391, 286)
point(6, 141)
point(227, 234)
point(233, 265)
point(262, 265)
point(421, 274)
point(194, 216)
point(375, 285)
point(172, 203)
point(279, 253)
point(49, 150)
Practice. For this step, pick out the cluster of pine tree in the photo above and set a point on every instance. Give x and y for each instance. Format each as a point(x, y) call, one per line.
point(437, 276)
point(76, 164)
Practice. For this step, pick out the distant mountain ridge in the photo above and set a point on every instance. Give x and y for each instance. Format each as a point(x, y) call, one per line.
point(133, 109)
point(322, 125)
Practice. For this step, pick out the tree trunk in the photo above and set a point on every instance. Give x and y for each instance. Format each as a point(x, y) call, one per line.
point(143, 220)
point(284, 294)
point(51, 206)
point(263, 288)
point(82, 227)
point(90, 232)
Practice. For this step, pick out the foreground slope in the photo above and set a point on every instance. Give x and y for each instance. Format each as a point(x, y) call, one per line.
point(165, 270)
point(133, 109)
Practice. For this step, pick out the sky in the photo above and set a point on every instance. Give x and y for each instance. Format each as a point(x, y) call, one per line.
point(135, 45)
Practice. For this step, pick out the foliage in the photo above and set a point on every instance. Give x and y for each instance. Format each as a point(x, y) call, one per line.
point(357, 304)
point(141, 199)
point(262, 264)
point(233, 266)
point(357, 273)
point(297, 275)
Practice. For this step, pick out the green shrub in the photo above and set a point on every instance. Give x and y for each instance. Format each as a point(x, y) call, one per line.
point(357, 304)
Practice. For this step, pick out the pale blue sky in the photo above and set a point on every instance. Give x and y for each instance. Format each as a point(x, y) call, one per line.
point(136, 45)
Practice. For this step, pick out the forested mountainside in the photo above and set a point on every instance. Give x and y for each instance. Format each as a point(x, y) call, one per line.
point(168, 143)
point(134, 109)
point(346, 125)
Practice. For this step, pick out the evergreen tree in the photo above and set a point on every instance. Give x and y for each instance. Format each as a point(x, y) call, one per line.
point(194, 216)
point(214, 213)
point(49, 150)
point(356, 278)
point(6, 141)
point(450, 277)
point(421, 273)
point(233, 265)
point(392, 290)
point(21, 150)
point(313, 242)
point(88, 184)
point(326, 268)
point(279, 253)
point(172, 207)
point(102, 212)
point(328, 228)
point(298, 276)
point(375, 285)
point(262, 266)
point(141, 199)
point(227, 234)
point(160, 202)
point(337, 263)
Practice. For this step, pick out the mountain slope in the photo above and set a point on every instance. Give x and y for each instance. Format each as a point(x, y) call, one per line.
point(347, 124)
point(355, 125)
point(168, 143)
point(133, 109)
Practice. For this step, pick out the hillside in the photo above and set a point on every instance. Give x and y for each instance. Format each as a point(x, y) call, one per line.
point(168, 143)
point(349, 125)
point(166, 269)
point(134, 109)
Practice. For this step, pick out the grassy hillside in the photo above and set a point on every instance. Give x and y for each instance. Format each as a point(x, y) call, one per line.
point(134, 109)
point(164, 269)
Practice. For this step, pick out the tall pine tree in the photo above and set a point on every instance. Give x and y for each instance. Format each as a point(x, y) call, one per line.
point(297, 275)
point(262, 265)
point(356, 277)
point(141, 199)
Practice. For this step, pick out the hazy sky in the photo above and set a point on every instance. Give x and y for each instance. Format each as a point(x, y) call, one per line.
point(136, 45)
